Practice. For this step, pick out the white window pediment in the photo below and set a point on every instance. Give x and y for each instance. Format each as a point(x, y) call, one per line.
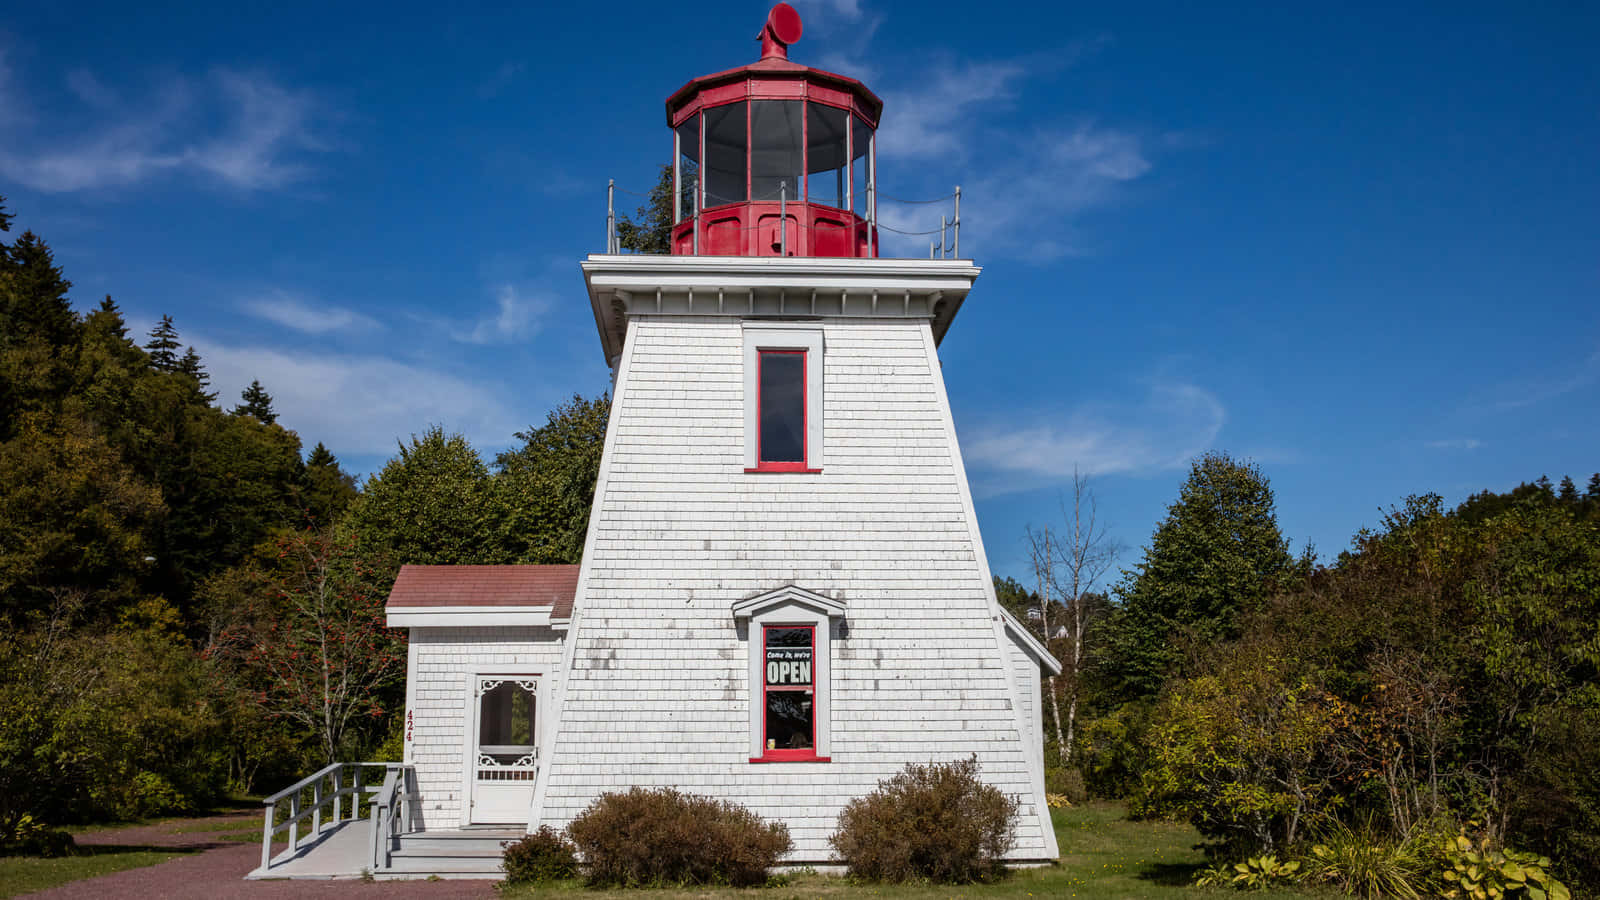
point(790, 611)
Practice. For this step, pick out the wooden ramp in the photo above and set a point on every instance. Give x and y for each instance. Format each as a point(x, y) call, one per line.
point(344, 851)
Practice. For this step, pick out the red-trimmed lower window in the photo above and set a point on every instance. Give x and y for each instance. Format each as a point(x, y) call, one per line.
point(789, 693)
point(781, 411)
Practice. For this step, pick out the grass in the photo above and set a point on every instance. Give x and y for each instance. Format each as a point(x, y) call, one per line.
point(26, 874)
point(1103, 855)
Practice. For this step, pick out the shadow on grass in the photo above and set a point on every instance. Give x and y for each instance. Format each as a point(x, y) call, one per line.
point(1171, 874)
point(117, 849)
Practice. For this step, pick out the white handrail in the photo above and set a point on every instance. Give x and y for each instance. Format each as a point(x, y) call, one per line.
point(329, 786)
point(393, 802)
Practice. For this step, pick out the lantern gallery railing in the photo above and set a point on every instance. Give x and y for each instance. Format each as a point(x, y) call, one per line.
point(944, 241)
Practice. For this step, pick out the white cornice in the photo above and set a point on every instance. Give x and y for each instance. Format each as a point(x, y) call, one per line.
point(788, 595)
point(622, 286)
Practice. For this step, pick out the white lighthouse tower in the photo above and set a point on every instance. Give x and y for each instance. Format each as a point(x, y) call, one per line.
point(784, 596)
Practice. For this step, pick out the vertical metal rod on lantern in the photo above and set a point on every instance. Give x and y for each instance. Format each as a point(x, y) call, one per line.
point(611, 215)
point(944, 245)
point(783, 218)
point(872, 192)
point(958, 222)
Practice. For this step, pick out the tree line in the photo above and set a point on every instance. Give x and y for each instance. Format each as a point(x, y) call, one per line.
point(1437, 681)
point(191, 606)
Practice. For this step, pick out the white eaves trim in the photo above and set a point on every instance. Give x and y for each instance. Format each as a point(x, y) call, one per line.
point(1037, 650)
point(468, 616)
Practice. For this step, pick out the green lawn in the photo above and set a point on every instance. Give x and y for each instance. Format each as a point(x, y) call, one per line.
point(25, 874)
point(1103, 855)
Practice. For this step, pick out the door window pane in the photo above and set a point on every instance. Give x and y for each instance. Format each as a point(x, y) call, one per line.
point(776, 148)
point(506, 722)
point(783, 406)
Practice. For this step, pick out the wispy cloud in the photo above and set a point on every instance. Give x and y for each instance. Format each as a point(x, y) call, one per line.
point(1455, 444)
point(1162, 430)
point(502, 77)
point(1532, 391)
point(935, 119)
point(242, 129)
point(362, 404)
point(292, 311)
point(516, 316)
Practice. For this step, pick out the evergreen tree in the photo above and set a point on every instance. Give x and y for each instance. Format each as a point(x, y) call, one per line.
point(1593, 493)
point(163, 346)
point(1569, 491)
point(258, 403)
point(191, 367)
point(435, 504)
point(326, 489)
point(1217, 555)
point(650, 230)
point(547, 485)
point(5, 220)
point(37, 306)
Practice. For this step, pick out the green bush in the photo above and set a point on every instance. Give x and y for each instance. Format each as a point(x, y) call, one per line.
point(1474, 870)
point(939, 821)
point(27, 836)
point(1363, 863)
point(545, 855)
point(661, 836)
point(1068, 782)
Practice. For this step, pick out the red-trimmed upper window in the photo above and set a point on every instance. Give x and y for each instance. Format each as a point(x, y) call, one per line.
point(789, 692)
point(781, 413)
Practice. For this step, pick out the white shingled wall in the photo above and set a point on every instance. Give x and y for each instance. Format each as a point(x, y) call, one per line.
point(441, 661)
point(658, 691)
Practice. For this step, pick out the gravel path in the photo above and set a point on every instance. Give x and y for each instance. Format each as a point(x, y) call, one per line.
point(217, 870)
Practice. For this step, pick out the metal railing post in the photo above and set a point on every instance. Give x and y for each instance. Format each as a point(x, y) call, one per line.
point(316, 808)
point(944, 245)
point(294, 822)
point(958, 222)
point(611, 215)
point(783, 218)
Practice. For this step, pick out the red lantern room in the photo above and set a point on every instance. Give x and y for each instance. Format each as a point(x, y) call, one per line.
point(774, 158)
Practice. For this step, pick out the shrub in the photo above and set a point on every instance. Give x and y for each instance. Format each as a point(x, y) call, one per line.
point(939, 821)
point(1364, 864)
point(661, 836)
point(545, 855)
point(1254, 874)
point(1473, 870)
point(27, 836)
point(1067, 782)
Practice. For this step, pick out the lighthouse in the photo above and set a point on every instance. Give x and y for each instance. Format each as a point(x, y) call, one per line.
point(783, 597)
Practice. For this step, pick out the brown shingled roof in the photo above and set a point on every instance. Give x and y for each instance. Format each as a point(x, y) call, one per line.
point(552, 586)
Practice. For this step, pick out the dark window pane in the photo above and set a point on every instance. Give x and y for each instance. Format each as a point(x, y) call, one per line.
point(825, 154)
point(775, 148)
point(688, 167)
point(861, 140)
point(789, 720)
point(783, 406)
point(725, 154)
point(788, 657)
point(506, 718)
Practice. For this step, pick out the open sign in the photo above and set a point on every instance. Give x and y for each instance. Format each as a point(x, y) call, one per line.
point(788, 665)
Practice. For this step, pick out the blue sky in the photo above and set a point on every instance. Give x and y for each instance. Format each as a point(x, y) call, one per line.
point(1359, 246)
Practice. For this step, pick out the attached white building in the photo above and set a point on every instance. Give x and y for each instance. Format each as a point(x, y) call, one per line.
point(784, 596)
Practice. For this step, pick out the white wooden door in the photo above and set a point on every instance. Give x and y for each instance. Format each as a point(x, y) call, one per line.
point(505, 748)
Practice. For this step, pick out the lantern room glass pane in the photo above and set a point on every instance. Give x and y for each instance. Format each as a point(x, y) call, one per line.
point(825, 154)
point(776, 148)
point(725, 154)
point(861, 142)
point(783, 406)
point(688, 176)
